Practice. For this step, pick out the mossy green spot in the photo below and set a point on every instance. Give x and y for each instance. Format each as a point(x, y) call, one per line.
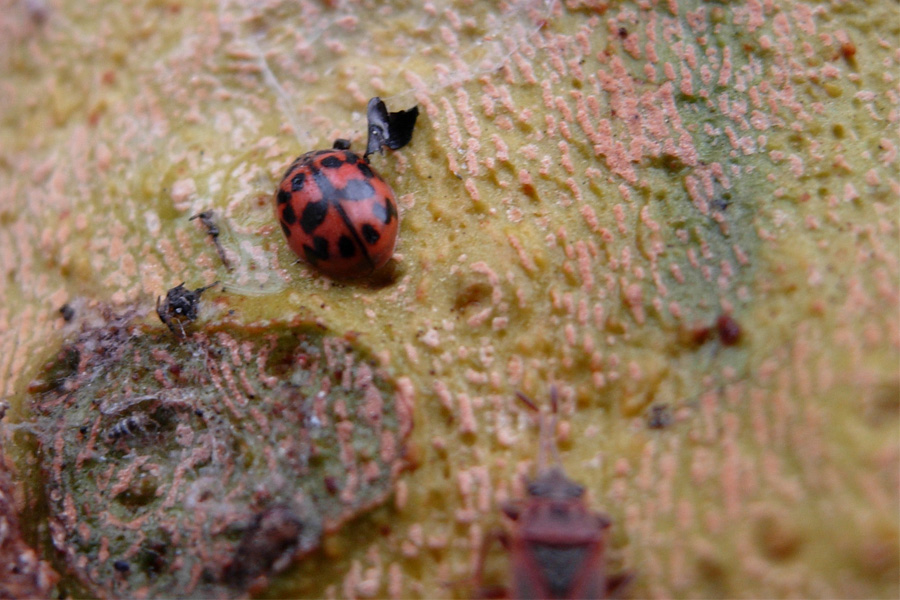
point(213, 462)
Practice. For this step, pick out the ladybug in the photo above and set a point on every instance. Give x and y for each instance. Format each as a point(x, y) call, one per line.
point(336, 212)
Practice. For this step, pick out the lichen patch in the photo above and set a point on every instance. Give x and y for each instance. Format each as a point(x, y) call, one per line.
point(202, 467)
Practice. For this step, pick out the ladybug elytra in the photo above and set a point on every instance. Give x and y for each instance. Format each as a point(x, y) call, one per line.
point(337, 213)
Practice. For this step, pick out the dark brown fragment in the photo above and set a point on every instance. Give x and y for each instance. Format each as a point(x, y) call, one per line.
point(206, 217)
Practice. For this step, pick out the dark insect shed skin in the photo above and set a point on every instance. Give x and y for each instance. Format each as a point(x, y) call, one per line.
point(179, 307)
point(393, 130)
point(206, 218)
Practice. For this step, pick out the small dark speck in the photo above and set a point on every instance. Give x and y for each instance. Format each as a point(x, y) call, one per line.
point(623, 33)
point(729, 330)
point(121, 566)
point(719, 204)
point(660, 416)
point(67, 312)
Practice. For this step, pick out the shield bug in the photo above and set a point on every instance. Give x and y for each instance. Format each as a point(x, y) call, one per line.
point(557, 544)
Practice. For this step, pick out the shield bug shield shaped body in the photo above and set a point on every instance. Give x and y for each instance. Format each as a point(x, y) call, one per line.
point(557, 544)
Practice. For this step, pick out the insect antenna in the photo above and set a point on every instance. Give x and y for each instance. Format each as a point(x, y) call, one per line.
point(549, 437)
point(547, 430)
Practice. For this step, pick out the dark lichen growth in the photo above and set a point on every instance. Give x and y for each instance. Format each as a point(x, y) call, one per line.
point(214, 461)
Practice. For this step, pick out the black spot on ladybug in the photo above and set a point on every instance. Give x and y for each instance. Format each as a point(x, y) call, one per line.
point(346, 247)
point(318, 251)
point(326, 189)
point(288, 215)
point(332, 162)
point(285, 229)
point(296, 184)
point(351, 158)
point(383, 212)
point(365, 170)
point(370, 234)
point(313, 215)
point(283, 197)
point(357, 189)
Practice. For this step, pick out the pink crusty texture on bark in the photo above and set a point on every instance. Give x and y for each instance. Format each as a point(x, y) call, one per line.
point(590, 184)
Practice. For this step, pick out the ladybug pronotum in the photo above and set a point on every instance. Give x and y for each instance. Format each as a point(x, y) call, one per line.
point(337, 213)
